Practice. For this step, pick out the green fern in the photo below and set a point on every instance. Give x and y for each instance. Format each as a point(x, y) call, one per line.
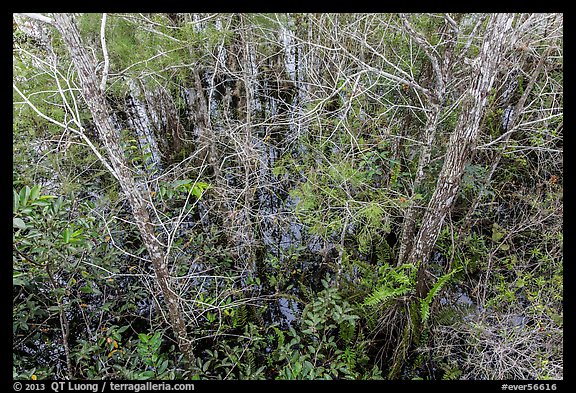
point(397, 281)
point(280, 335)
point(249, 363)
point(427, 301)
point(451, 372)
point(240, 316)
point(385, 293)
point(364, 238)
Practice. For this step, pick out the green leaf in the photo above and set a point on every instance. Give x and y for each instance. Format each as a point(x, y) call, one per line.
point(144, 337)
point(496, 234)
point(199, 188)
point(24, 195)
point(40, 203)
point(163, 367)
point(44, 197)
point(18, 223)
point(35, 192)
point(75, 236)
point(16, 201)
point(197, 192)
point(66, 235)
point(384, 293)
point(146, 375)
point(96, 291)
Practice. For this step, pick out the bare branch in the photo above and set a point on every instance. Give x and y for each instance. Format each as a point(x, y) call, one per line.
point(64, 126)
point(40, 17)
point(430, 52)
point(105, 53)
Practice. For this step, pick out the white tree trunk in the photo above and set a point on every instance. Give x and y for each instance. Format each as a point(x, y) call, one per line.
point(101, 113)
point(461, 143)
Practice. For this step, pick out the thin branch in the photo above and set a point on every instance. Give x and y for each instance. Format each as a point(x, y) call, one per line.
point(82, 135)
point(105, 53)
point(452, 22)
point(471, 36)
point(430, 52)
point(40, 17)
point(388, 76)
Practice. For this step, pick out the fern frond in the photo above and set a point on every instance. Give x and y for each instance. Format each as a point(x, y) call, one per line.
point(240, 317)
point(385, 293)
point(427, 301)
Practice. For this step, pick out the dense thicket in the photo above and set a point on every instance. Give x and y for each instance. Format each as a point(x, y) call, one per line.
point(288, 196)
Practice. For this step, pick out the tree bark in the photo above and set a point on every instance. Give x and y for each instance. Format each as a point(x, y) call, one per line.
point(409, 225)
point(460, 145)
point(100, 110)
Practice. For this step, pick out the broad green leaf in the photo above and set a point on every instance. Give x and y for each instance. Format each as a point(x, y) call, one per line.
point(163, 367)
point(497, 236)
point(24, 195)
point(146, 375)
point(199, 188)
point(40, 203)
point(35, 192)
point(86, 289)
point(57, 204)
point(18, 223)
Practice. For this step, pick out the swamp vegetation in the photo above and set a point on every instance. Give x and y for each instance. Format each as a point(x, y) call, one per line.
point(287, 196)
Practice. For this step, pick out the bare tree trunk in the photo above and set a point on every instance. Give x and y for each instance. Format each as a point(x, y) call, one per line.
point(142, 119)
point(94, 96)
point(460, 144)
point(409, 225)
point(441, 69)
